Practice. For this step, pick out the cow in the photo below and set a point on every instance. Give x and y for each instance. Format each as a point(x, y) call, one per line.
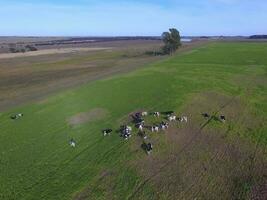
point(140, 127)
point(143, 114)
point(126, 136)
point(149, 148)
point(126, 132)
point(156, 114)
point(206, 115)
point(72, 143)
point(164, 125)
point(107, 132)
point(155, 129)
point(172, 118)
point(17, 116)
point(183, 119)
point(222, 117)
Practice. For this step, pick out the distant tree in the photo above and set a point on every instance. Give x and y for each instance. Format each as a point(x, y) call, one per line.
point(30, 48)
point(172, 41)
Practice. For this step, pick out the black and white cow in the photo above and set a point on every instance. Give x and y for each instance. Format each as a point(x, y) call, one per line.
point(72, 143)
point(149, 148)
point(183, 119)
point(154, 129)
point(164, 125)
point(126, 132)
point(17, 116)
point(140, 127)
point(156, 114)
point(107, 132)
point(222, 117)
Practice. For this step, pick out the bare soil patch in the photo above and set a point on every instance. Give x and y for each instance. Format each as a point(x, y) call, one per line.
point(84, 117)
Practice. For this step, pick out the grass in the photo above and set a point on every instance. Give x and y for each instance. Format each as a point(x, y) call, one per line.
point(37, 162)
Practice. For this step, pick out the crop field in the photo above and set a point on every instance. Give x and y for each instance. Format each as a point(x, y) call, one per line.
point(200, 159)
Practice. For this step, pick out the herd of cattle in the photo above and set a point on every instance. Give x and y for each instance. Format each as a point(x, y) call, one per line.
point(138, 119)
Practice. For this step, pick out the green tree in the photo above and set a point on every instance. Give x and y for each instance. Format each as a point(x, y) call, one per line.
point(172, 41)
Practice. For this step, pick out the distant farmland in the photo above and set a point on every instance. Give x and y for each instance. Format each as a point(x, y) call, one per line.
point(201, 159)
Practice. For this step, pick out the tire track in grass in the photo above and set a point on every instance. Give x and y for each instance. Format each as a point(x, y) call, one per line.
point(43, 181)
point(215, 156)
point(66, 162)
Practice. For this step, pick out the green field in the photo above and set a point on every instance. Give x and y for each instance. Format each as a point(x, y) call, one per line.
point(37, 161)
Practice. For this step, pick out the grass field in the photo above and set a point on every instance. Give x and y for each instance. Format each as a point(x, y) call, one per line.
point(198, 160)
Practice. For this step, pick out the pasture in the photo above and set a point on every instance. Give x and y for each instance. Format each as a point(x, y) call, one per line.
point(201, 159)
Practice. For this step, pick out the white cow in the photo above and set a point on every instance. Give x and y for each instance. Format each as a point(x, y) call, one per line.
point(184, 119)
point(172, 118)
point(144, 113)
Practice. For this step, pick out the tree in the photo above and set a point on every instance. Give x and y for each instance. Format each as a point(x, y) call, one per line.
point(30, 48)
point(172, 41)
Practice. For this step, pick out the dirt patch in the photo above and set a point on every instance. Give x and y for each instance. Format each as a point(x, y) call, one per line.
point(84, 117)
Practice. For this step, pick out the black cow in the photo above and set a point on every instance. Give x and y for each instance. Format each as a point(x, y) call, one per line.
point(206, 115)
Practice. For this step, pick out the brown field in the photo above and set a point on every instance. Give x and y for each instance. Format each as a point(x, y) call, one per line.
point(51, 51)
point(34, 75)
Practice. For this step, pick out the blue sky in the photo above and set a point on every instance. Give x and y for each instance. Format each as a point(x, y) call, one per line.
point(132, 17)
